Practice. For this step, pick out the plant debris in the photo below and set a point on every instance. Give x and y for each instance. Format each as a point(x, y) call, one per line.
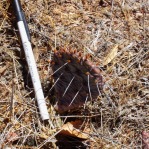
point(76, 129)
point(115, 34)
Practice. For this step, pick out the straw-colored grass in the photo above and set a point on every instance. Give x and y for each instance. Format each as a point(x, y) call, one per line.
point(115, 33)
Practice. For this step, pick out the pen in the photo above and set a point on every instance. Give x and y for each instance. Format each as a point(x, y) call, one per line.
point(25, 38)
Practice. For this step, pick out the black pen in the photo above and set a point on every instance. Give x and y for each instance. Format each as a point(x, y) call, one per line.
point(25, 38)
point(20, 16)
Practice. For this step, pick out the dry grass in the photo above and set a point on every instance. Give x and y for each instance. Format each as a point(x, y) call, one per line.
point(120, 115)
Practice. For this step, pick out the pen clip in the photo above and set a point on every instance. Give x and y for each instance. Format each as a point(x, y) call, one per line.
point(26, 26)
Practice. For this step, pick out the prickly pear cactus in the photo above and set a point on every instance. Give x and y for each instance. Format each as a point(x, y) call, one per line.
point(76, 78)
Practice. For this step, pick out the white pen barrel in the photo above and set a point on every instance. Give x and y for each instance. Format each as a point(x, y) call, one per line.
point(33, 72)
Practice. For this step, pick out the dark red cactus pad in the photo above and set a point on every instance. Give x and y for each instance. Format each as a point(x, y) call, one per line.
point(77, 80)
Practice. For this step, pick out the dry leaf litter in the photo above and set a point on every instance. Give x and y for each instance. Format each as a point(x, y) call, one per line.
point(116, 35)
